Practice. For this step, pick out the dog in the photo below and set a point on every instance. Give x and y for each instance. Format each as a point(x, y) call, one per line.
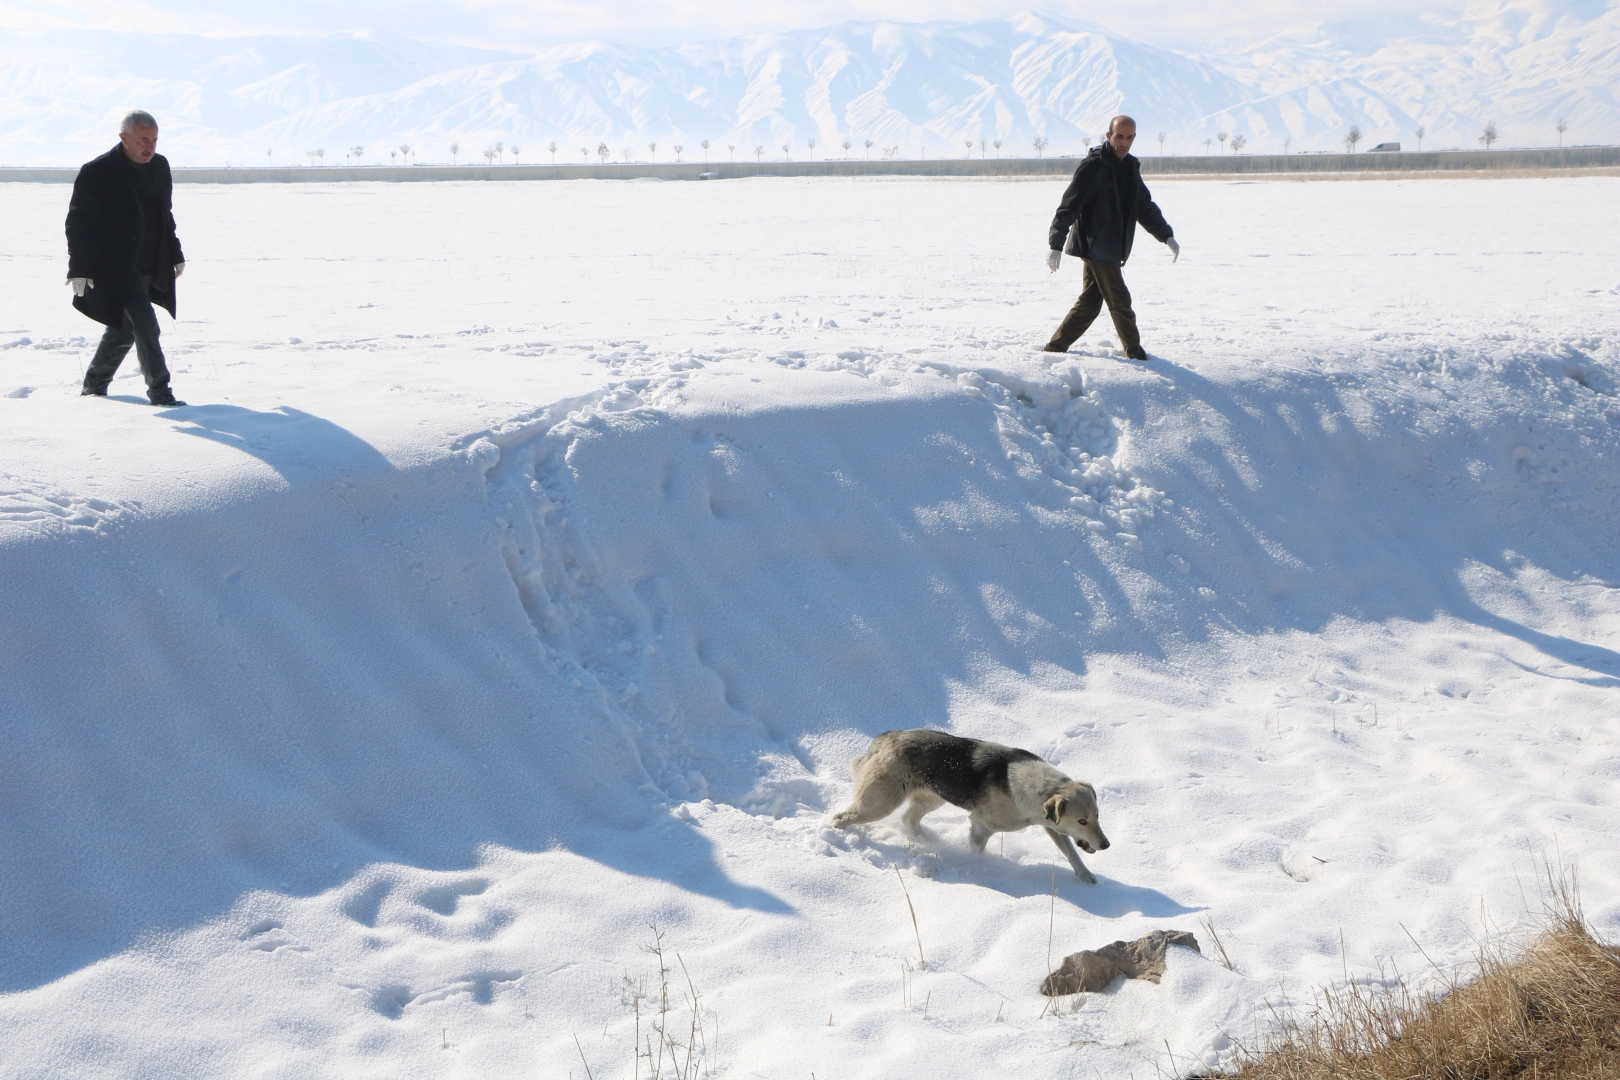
point(1004, 789)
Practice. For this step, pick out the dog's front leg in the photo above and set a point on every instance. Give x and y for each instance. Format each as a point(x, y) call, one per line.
point(979, 834)
point(1066, 846)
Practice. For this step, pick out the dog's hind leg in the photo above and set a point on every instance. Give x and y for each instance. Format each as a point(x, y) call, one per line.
point(872, 802)
point(922, 803)
point(1066, 846)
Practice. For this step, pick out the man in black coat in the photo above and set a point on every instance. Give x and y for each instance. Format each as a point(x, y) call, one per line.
point(123, 254)
point(1098, 218)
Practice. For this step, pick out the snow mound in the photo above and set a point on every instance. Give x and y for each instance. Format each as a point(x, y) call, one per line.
point(366, 723)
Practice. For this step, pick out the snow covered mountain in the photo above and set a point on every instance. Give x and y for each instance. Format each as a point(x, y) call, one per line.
point(928, 89)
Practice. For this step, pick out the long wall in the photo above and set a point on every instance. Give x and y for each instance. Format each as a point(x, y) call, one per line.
point(1578, 157)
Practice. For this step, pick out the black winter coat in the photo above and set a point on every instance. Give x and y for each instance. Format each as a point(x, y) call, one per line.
point(1107, 214)
point(105, 225)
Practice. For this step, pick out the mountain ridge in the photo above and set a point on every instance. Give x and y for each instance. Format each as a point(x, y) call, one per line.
point(913, 89)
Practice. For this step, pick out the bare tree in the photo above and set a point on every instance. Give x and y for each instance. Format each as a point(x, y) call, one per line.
point(553, 149)
point(1352, 137)
point(787, 151)
point(1489, 135)
point(455, 148)
point(603, 152)
point(391, 155)
point(515, 153)
point(405, 152)
point(969, 145)
point(759, 153)
point(500, 152)
point(625, 153)
point(731, 149)
point(269, 155)
point(1288, 140)
point(1221, 135)
point(489, 156)
point(1040, 145)
point(981, 150)
point(1206, 146)
point(996, 144)
point(1238, 142)
point(652, 148)
point(357, 152)
point(812, 144)
point(847, 145)
point(1161, 144)
point(1560, 127)
point(868, 148)
point(678, 150)
point(1420, 132)
point(585, 152)
point(705, 145)
point(311, 155)
point(321, 153)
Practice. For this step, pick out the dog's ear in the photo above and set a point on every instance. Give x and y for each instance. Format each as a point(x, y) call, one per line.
point(1055, 807)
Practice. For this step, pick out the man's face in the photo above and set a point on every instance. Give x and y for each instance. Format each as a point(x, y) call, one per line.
point(1121, 138)
point(140, 144)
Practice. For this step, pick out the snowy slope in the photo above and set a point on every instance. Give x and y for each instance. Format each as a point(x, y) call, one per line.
point(925, 88)
point(513, 586)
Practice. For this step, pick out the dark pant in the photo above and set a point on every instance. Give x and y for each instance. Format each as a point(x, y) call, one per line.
point(1102, 284)
point(139, 328)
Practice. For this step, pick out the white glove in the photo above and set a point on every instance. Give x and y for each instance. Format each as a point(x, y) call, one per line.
point(1175, 248)
point(179, 268)
point(1053, 257)
point(80, 284)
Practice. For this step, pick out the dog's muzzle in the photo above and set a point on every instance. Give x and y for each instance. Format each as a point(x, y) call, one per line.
point(1085, 847)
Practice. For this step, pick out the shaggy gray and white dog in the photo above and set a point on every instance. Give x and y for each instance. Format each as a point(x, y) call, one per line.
point(1004, 789)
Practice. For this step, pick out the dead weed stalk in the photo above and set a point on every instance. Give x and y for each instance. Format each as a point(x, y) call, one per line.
point(1549, 1010)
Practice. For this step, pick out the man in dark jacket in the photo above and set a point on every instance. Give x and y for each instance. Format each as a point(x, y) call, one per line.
point(123, 254)
point(1098, 218)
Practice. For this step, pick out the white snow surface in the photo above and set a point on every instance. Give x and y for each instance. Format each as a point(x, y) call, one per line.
point(923, 89)
point(533, 559)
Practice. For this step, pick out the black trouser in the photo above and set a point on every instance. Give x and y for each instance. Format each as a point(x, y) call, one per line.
point(139, 328)
point(1102, 284)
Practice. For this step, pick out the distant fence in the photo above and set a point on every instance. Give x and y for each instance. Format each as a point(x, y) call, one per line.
point(1456, 161)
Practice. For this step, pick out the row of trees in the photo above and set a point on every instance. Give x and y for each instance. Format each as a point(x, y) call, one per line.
point(497, 152)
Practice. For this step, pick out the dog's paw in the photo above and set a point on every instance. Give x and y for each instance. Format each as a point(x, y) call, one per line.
point(841, 821)
point(1088, 877)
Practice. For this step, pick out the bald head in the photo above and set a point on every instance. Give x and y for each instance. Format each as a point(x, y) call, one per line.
point(1121, 134)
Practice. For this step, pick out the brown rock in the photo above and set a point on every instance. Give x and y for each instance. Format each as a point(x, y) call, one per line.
point(1093, 970)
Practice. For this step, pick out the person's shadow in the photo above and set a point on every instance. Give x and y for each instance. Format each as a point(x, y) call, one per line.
point(300, 446)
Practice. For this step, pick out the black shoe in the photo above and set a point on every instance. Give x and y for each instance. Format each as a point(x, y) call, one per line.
point(1052, 346)
point(91, 391)
point(164, 399)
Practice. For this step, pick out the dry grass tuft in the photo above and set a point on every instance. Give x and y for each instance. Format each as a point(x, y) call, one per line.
point(1550, 1012)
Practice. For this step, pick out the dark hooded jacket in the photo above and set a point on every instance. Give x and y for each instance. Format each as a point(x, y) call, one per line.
point(1107, 198)
point(117, 211)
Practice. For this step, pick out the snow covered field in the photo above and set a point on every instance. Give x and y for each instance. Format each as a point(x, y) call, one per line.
point(534, 558)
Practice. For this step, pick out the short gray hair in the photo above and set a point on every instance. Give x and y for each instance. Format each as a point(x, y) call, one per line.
point(136, 118)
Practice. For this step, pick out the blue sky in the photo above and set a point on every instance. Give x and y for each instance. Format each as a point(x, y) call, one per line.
point(536, 23)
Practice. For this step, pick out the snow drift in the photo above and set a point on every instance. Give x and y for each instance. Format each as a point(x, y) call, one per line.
point(376, 756)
